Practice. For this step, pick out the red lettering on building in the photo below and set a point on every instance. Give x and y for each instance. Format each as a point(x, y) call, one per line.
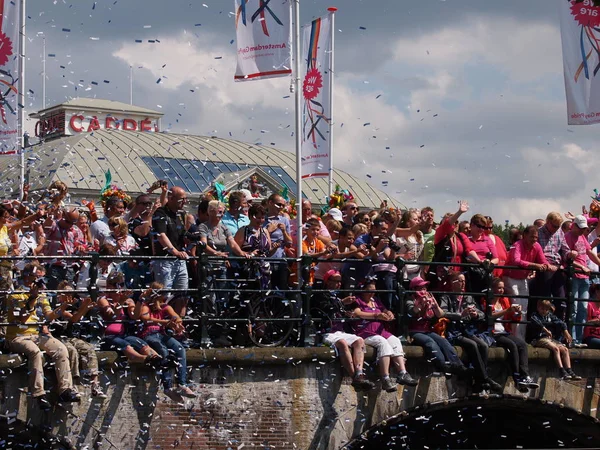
point(110, 121)
point(146, 125)
point(94, 124)
point(50, 126)
point(76, 127)
point(129, 125)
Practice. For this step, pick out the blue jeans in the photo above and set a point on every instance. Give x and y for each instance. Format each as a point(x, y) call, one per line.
point(581, 290)
point(172, 274)
point(436, 348)
point(170, 348)
point(387, 281)
point(592, 342)
point(118, 342)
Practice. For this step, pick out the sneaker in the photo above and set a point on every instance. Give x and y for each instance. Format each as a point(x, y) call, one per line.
point(173, 394)
point(186, 392)
point(522, 386)
point(480, 388)
point(564, 375)
point(388, 385)
point(496, 387)
point(43, 403)
point(573, 375)
point(360, 382)
point(406, 379)
point(98, 392)
point(530, 382)
point(69, 396)
point(459, 369)
point(579, 345)
point(154, 361)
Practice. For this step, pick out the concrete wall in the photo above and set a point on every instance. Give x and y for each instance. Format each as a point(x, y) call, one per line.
point(293, 398)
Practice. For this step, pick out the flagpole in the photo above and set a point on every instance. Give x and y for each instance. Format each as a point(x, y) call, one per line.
point(332, 11)
point(131, 85)
point(298, 98)
point(21, 97)
point(44, 73)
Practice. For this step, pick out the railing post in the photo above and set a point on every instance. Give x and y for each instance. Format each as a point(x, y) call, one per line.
point(400, 293)
point(489, 294)
point(306, 294)
point(570, 271)
point(92, 285)
point(203, 294)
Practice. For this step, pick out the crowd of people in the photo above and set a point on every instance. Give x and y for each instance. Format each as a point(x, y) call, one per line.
point(360, 258)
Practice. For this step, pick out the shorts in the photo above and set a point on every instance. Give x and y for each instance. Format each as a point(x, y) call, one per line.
point(385, 347)
point(332, 338)
point(546, 343)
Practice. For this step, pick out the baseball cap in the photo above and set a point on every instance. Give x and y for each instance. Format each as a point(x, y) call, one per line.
point(417, 282)
point(336, 214)
point(329, 274)
point(247, 195)
point(580, 221)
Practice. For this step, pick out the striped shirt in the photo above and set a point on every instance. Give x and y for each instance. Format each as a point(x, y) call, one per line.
point(554, 245)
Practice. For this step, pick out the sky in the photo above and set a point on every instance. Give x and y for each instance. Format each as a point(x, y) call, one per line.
point(435, 100)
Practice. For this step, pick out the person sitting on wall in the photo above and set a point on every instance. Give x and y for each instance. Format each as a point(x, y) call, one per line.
point(373, 330)
point(550, 332)
point(330, 310)
point(464, 330)
point(31, 307)
point(423, 309)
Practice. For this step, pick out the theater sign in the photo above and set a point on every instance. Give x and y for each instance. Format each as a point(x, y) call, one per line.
point(84, 115)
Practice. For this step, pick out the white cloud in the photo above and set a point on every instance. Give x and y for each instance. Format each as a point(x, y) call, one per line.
point(482, 151)
point(525, 49)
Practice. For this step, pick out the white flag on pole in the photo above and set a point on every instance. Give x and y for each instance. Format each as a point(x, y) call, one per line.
point(580, 32)
point(316, 113)
point(263, 33)
point(9, 74)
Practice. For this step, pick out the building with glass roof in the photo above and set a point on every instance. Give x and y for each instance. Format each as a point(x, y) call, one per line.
point(84, 138)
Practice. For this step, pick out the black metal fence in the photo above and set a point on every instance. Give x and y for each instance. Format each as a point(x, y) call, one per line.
point(298, 300)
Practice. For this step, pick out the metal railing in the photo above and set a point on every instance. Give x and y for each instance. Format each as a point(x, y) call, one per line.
point(302, 295)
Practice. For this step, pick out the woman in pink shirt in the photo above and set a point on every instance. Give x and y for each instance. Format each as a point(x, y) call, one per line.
point(528, 254)
point(591, 334)
point(449, 246)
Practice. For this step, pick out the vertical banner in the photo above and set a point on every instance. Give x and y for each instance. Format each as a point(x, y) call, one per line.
point(316, 112)
point(9, 75)
point(580, 33)
point(263, 33)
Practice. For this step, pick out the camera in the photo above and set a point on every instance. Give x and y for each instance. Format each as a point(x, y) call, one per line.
point(394, 245)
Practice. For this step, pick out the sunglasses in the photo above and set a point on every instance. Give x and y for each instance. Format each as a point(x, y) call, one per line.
point(145, 203)
point(280, 205)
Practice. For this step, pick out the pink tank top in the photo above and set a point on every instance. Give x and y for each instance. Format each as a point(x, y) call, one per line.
point(151, 327)
point(116, 329)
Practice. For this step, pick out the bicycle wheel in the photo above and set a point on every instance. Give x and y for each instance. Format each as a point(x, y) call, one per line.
point(262, 331)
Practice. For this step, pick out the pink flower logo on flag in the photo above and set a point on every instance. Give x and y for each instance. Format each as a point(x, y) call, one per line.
point(313, 82)
point(586, 13)
point(6, 48)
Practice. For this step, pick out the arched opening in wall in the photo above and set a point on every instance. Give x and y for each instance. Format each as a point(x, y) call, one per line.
point(497, 422)
point(15, 434)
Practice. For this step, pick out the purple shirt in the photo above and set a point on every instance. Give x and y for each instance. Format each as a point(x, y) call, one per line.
point(366, 328)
